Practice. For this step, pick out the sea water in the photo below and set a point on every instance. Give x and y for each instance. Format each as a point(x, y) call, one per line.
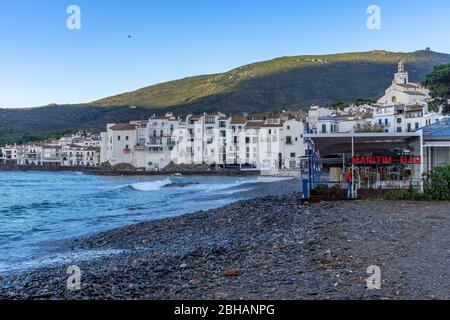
point(38, 209)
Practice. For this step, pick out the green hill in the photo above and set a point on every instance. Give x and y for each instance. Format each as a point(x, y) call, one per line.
point(287, 82)
point(283, 83)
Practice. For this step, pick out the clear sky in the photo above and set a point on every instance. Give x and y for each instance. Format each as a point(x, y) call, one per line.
point(42, 62)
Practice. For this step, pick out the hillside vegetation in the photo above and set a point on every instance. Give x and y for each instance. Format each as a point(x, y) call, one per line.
point(438, 82)
point(283, 83)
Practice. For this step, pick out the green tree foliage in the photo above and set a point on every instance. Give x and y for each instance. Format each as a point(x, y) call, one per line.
point(437, 187)
point(33, 137)
point(438, 81)
point(370, 129)
point(339, 105)
point(437, 183)
point(362, 101)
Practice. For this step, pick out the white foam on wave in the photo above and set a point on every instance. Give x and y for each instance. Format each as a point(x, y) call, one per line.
point(273, 179)
point(210, 188)
point(59, 258)
point(151, 185)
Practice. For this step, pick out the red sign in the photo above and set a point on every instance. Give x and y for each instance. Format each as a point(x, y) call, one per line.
point(386, 160)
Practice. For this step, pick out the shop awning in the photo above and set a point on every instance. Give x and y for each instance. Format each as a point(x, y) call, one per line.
point(340, 143)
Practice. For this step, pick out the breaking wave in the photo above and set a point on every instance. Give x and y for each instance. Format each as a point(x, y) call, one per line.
point(151, 185)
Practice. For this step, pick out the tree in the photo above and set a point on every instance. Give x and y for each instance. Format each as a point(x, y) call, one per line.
point(339, 105)
point(362, 101)
point(438, 82)
point(370, 129)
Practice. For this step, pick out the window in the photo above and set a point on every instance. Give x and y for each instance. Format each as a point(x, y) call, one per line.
point(127, 138)
point(417, 125)
point(118, 138)
point(399, 129)
point(210, 119)
point(288, 140)
point(247, 140)
point(409, 127)
point(292, 165)
point(386, 122)
point(324, 128)
point(293, 155)
point(289, 127)
point(399, 120)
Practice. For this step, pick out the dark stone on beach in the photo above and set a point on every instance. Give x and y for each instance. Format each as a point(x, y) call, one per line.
point(232, 273)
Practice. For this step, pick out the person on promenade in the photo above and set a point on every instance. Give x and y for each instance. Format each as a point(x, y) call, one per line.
point(348, 178)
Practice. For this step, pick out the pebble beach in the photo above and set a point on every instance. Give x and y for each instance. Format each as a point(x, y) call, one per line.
point(270, 247)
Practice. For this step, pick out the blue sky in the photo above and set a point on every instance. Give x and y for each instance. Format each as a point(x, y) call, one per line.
point(43, 62)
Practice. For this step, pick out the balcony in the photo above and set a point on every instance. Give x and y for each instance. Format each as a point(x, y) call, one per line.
point(155, 141)
point(171, 143)
point(139, 147)
point(127, 150)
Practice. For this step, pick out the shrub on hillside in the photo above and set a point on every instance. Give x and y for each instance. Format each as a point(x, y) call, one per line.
point(437, 183)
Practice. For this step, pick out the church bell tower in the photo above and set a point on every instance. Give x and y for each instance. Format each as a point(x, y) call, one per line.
point(401, 77)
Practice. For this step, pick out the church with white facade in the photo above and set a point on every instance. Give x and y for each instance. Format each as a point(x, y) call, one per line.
point(404, 92)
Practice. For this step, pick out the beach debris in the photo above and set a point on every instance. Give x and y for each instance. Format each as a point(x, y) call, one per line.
point(232, 272)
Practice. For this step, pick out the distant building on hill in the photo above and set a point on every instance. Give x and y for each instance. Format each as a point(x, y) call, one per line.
point(404, 92)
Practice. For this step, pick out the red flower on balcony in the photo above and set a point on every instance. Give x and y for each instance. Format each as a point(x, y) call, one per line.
point(126, 150)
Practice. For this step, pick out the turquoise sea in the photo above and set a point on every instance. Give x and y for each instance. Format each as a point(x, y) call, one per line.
point(37, 209)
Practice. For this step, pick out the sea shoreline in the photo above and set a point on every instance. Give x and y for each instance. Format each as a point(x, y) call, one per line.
point(106, 172)
point(281, 248)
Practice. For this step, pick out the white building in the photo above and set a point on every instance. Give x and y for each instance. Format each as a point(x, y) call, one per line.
point(118, 144)
point(314, 114)
point(404, 92)
point(294, 147)
point(404, 118)
point(403, 108)
point(10, 154)
point(73, 156)
point(71, 151)
point(265, 143)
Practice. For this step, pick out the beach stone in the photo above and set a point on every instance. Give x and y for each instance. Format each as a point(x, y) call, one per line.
point(232, 272)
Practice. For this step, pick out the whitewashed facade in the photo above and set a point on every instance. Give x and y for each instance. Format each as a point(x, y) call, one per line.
point(214, 139)
point(81, 149)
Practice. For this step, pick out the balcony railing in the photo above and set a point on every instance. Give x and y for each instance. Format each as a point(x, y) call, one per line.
point(139, 147)
point(155, 141)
